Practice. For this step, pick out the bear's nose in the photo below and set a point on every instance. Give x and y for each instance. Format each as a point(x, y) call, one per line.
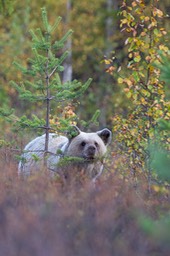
point(91, 150)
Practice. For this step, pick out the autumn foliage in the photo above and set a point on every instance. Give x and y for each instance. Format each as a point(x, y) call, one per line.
point(146, 44)
point(126, 212)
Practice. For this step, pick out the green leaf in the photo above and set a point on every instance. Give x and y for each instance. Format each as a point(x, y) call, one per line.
point(136, 76)
point(137, 58)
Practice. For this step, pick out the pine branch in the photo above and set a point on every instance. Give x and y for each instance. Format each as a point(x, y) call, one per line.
point(54, 27)
point(6, 112)
point(45, 19)
point(60, 61)
point(65, 37)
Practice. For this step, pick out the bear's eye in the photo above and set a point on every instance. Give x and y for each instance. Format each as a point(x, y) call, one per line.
point(83, 143)
point(96, 144)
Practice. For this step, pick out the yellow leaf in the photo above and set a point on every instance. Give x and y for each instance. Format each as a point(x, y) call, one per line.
point(156, 188)
point(120, 80)
point(147, 18)
point(124, 21)
point(143, 33)
point(137, 58)
point(130, 55)
point(163, 48)
point(110, 69)
point(157, 12)
point(134, 4)
point(128, 81)
point(143, 100)
point(107, 62)
point(126, 90)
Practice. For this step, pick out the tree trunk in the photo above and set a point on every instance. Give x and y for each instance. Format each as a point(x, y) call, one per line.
point(110, 28)
point(67, 74)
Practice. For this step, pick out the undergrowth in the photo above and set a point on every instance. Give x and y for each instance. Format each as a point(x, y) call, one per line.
point(42, 216)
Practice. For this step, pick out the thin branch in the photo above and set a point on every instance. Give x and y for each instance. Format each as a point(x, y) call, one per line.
point(53, 71)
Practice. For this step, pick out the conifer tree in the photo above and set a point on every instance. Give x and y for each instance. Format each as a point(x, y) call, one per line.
point(44, 86)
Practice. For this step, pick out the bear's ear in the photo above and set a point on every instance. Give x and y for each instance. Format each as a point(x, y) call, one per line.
point(72, 132)
point(105, 135)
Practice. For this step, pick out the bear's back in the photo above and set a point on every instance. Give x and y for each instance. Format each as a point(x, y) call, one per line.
point(34, 152)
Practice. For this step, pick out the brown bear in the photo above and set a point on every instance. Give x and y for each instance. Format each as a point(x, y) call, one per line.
point(81, 150)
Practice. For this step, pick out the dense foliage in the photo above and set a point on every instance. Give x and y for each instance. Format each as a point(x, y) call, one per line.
point(146, 45)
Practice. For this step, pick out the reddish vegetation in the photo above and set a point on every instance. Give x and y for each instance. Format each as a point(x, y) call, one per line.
point(40, 216)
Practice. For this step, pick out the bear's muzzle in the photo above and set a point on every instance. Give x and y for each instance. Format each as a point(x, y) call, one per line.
point(90, 152)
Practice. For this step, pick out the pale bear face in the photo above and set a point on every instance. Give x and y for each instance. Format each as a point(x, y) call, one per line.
point(89, 146)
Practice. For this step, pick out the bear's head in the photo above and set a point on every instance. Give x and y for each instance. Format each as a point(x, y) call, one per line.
point(89, 146)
